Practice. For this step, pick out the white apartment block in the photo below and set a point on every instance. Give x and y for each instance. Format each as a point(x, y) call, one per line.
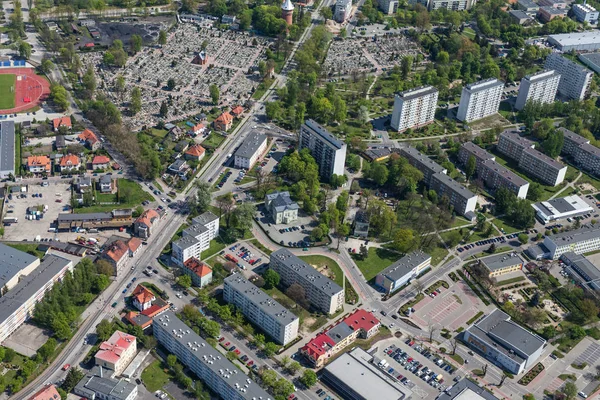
point(585, 13)
point(414, 108)
point(274, 319)
point(585, 155)
point(423, 163)
point(328, 151)
point(575, 80)
point(512, 144)
point(496, 176)
point(480, 99)
point(250, 150)
point(321, 292)
point(546, 169)
point(579, 241)
point(539, 87)
point(196, 238)
point(388, 6)
point(342, 10)
point(454, 5)
point(460, 198)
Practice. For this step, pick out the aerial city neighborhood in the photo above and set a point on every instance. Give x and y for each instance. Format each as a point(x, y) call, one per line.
point(321, 199)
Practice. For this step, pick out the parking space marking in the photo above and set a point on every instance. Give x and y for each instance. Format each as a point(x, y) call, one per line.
point(590, 355)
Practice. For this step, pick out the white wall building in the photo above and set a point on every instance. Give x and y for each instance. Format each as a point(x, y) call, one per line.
point(579, 241)
point(388, 6)
point(274, 319)
point(561, 208)
point(250, 150)
point(480, 99)
point(196, 238)
point(585, 13)
point(342, 10)
point(539, 87)
point(402, 271)
point(328, 151)
point(575, 79)
point(414, 108)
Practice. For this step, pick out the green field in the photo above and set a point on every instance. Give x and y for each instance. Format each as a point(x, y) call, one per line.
point(7, 96)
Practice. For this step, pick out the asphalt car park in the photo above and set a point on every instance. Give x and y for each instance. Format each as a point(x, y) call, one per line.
point(245, 256)
point(294, 234)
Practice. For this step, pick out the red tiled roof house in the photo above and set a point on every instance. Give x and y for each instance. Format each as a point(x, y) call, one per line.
point(195, 152)
point(62, 121)
point(143, 225)
point(223, 122)
point(69, 162)
point(200, 273)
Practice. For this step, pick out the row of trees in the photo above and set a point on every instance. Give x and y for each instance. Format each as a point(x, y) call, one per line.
point(518, 212)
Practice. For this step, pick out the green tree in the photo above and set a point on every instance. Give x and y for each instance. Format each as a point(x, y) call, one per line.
point(270, 349)
point(214, 93)
point(9, 354)
point(404, 240)
point(294, 367)
point(309, 378)
point(271, 278)
point(171, 83)
point(59, 96)
point(164, 109)
point(162, 37)
point(185, 281)
point(553, 144)
point(136, 43)
point(523, 238)
point(46, 66)
point(326, 13)
point(171, 360)
point(135, 105)
point(104, 329)
point(379, 173)
point(470, 167)
point(535, 191)
point(570, 390)
point(24, 50)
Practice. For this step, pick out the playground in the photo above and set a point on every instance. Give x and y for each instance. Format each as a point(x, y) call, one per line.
point(21, 89)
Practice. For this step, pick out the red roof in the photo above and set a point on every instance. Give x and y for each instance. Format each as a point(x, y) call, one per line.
point(89, 45)
point(237, 110)
point(319, 346)
point(100, 160)
point(47, 393)
point(88, 136)
point(133, 244)
point(116, 251)
point(197, 267)
point(198, 127)
point(142, 294)
point(361, 319)
point(62, 121)
point(39, 161)
point(69, 160)
point(147, 217)
point(225, 118)
point(112, 349)
point(138, 319)
point(155, 309)
point(195, 150)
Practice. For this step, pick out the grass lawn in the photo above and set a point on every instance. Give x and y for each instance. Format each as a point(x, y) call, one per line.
point(155, 377)
point(216, 245)
point(500, 224)
point(7, 95)
point(161, 133)
point(438, 254)
point(469, 33)
point(261, 247)
point(130, 195)
point(213, 140)
point(106, 197)
point(460, 221)
point(309, 322)
point(262, 88)
point(377, 260)
point(28, 248)
point(329, 267)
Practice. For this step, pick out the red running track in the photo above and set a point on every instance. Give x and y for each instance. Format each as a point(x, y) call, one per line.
point(27, 85)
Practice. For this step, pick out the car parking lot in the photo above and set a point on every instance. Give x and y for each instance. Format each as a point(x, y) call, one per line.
point(295, 234)
point(245, 256)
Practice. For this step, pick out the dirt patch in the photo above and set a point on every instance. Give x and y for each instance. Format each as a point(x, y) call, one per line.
point(325, 271)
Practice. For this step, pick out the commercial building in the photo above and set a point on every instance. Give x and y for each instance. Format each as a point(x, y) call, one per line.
point(460, 198)
point(281, 207)
point(539, 165)
point(584, 272)
point(585, 13)
point(561, 208)
point(321, 292)
point(578, 241)
point(553, 3)
point(7, 148)
point(359, 324)
point(95, 385)
point(17, 305)
point(495, 176)
point(528, 6)
point(114, 219)
point(575, 80)
point(360, 226)
point(402, 271)
point(15, 264)
point(117, 352)
point(500, 264)
point(423, 163)
point(480, 99)
point(465, 389)
point(250, 150)
point(353, 376)
point(342, 10)
point(592, 60)
point(196, 238)
point(519, 16)
point(540, 87)
point(547, 13)
point(414, 108)
point(274, 319)
point(213, 368)
point(328, 151)
point(578, 41)
point(200, 273)
point(505, 343)
point(388, 6)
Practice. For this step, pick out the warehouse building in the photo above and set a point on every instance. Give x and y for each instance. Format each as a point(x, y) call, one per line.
point(113, 219)
point(561, 208)
point(321, 292)
point(578, 41)
point(213, 368)
point(585, 273)
point(592, 60)
point(579, 241)
point(505, 343)
point(353, 376)
point(274, 319)
point(402, 271)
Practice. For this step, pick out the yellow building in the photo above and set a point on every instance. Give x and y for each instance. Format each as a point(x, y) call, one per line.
point(501, 264)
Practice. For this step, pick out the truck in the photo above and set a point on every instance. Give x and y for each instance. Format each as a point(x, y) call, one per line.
point(11, 220)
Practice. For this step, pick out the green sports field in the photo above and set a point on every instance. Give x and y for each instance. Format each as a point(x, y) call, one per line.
point(7, 95)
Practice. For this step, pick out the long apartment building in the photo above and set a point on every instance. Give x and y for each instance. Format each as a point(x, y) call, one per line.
point(584, 155)
point(539, 87)
point(480, 99)
point(273, 318)
point(17, 305)
point(196, 238)
point(423, 163)
point(575, 79)
point(578, 241)
point(454, 5)
point(531, 161)
point(435, 178)
point(414, 108)
point(250, 150)
point(212, 367)
point(321, 292)
point(328, 151)
point(492, 174)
